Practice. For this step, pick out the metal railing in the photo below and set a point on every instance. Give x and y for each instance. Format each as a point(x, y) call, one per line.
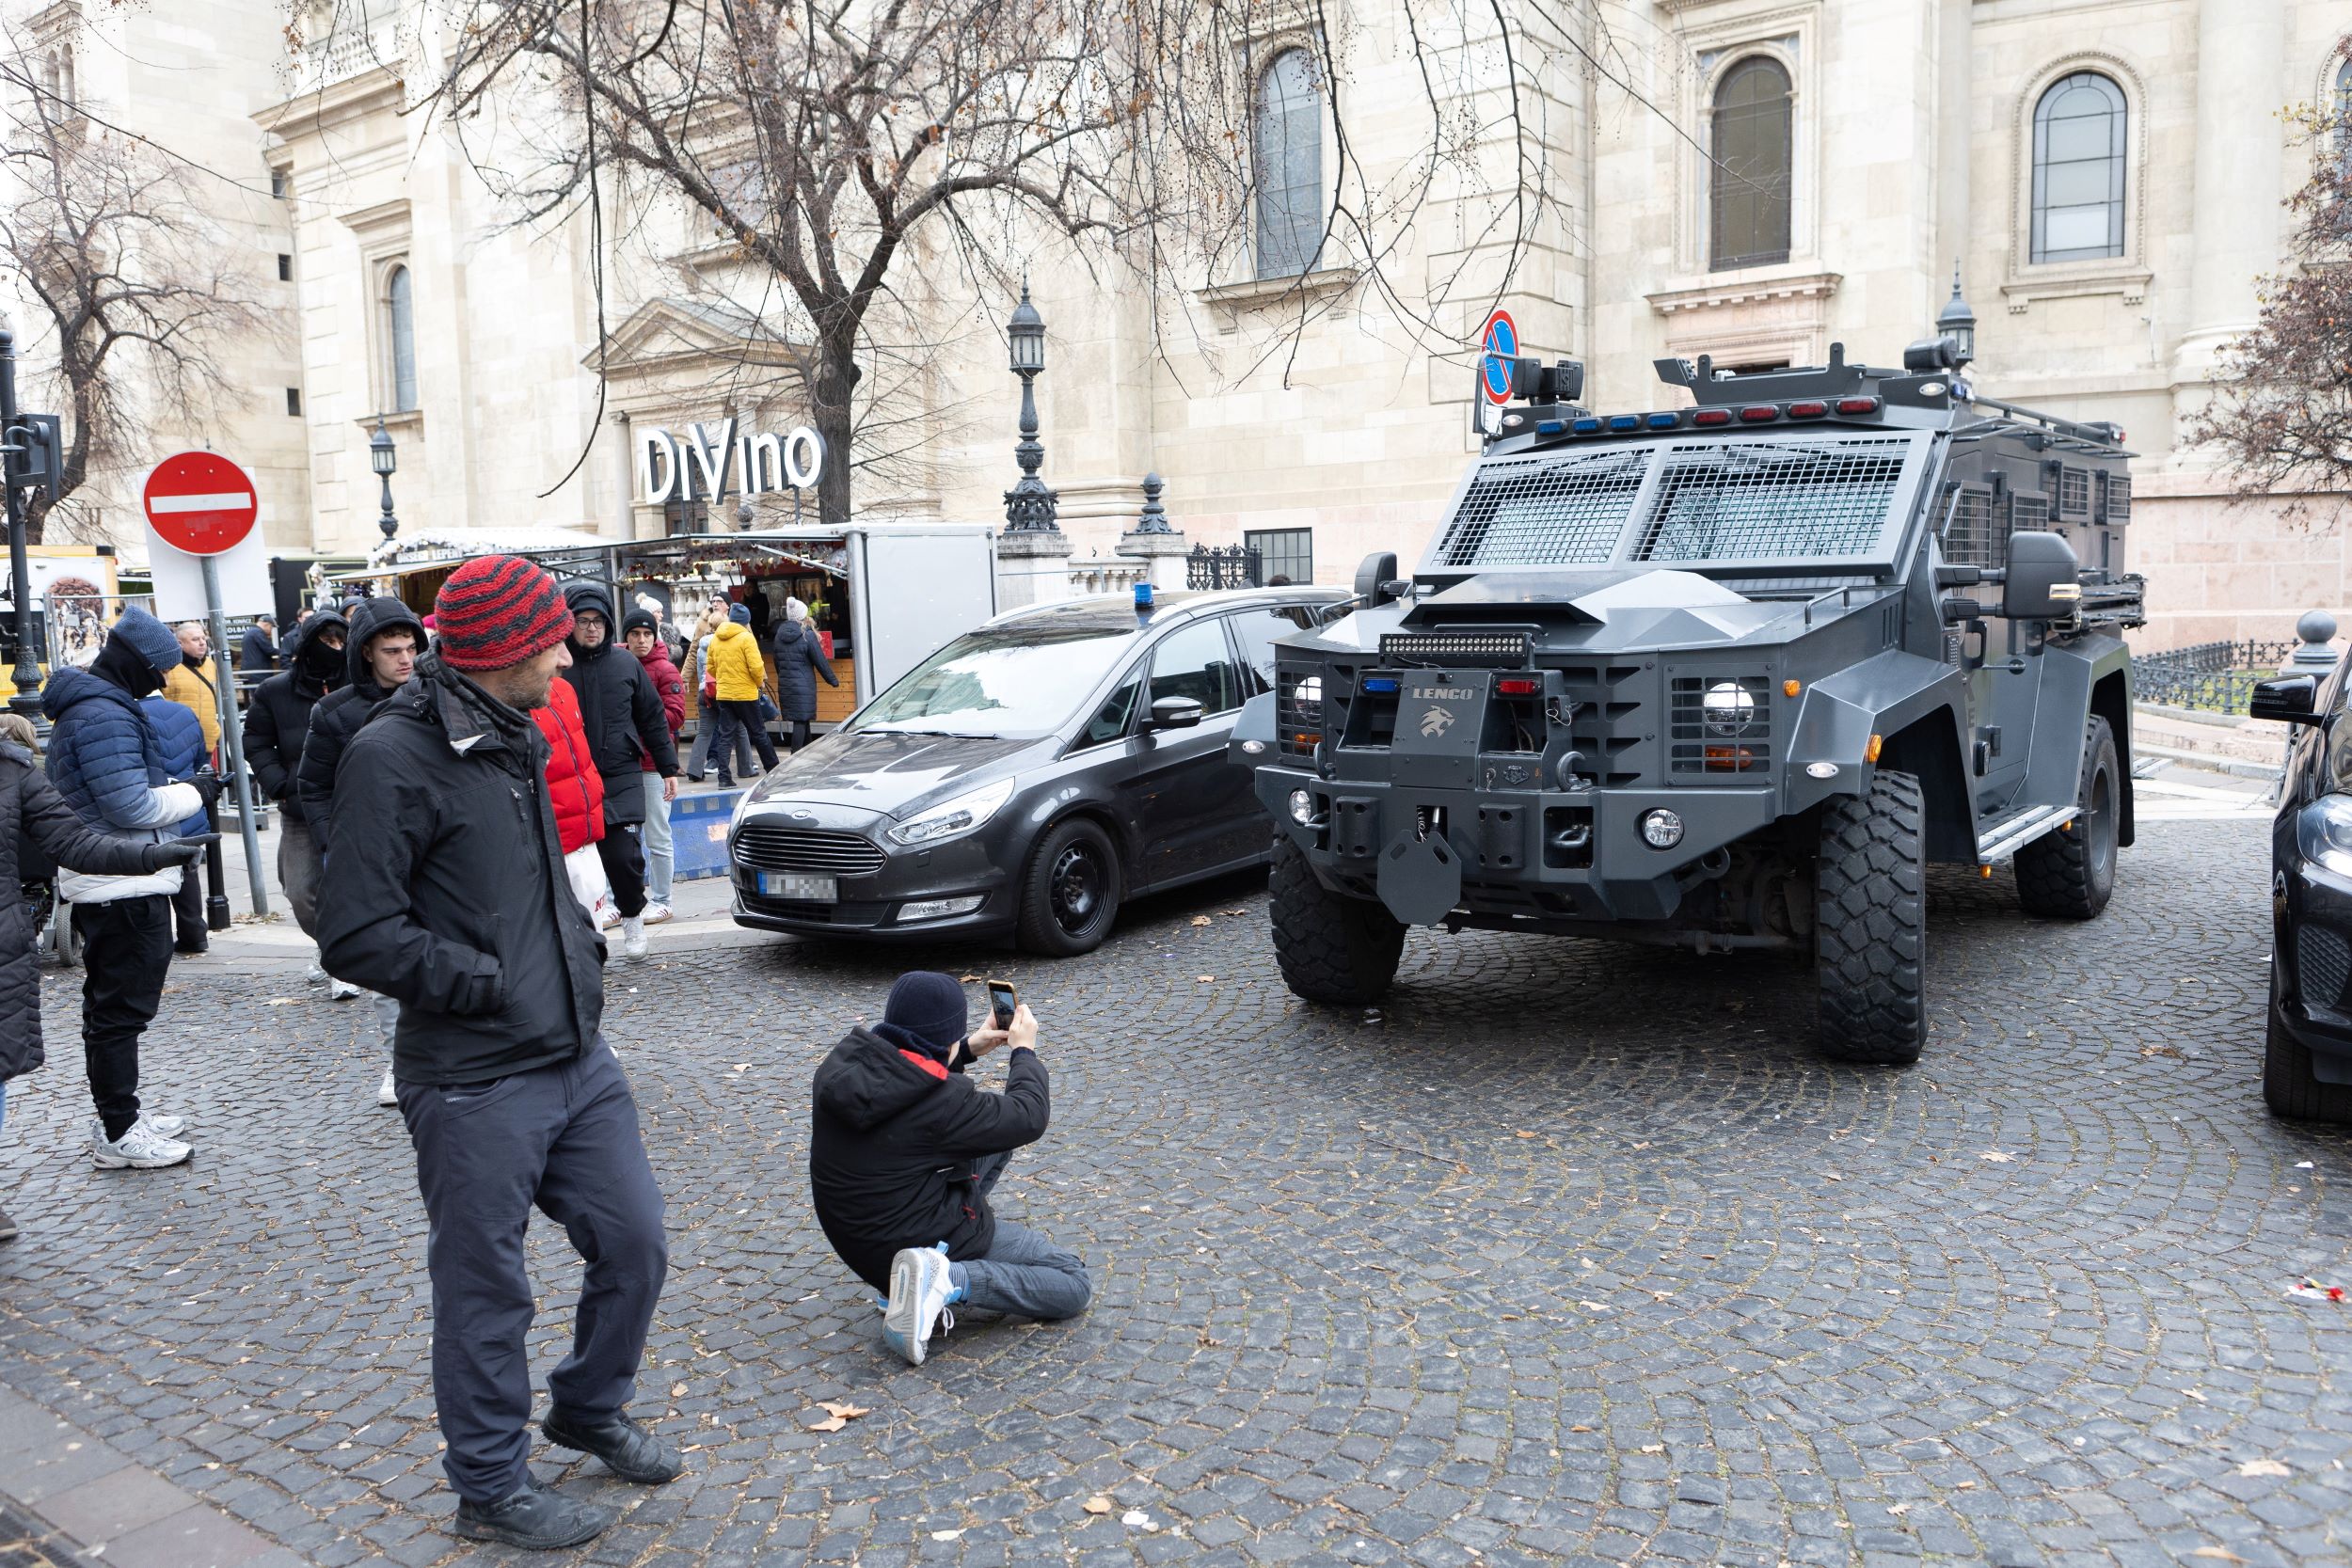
point(2214, 676)
point(1233, 566)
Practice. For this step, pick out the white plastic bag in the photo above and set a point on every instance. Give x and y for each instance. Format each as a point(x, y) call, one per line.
point(591, 886)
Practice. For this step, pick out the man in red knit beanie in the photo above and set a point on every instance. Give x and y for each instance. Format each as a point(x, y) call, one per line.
point(451, 898)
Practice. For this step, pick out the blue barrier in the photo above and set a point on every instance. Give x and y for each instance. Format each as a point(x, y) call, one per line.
point(698, 829)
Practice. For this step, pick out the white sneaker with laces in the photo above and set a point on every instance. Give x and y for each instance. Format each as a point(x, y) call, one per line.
point(141, 1148)
point(921, 1290)
point(341, 990)
point(315, 974)
point(387, 1093)
point(655, 914)
point(633, 944)
point(166, 1127)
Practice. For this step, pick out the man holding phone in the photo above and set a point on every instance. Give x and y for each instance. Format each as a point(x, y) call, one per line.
point(905, 1151)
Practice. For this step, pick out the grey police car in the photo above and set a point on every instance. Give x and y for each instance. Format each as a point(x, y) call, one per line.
point(1026, 778)
point(1723, 676)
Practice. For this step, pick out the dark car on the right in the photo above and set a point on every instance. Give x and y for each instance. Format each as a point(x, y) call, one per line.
point(2307, 1057)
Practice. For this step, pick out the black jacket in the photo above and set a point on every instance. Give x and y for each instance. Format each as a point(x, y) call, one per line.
point(450, 891)
point(893, 1138)
point(619, 708)
point(258, 651)
point(799, 659)
point(33, 814)
point(277, 719)
point(341, 712)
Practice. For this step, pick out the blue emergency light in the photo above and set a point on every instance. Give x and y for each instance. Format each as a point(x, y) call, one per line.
point(1143, 595)
point(1379, 682)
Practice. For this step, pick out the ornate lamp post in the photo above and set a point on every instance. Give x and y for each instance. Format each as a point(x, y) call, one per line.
point(27, 673)
point(1029, 505)
point(384, 460)
point(1957, 322)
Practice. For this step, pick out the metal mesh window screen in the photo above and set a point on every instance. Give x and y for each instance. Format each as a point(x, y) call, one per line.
point(1970, 537)
point(1751, 500)
point(2028, 513)
point(1719, 725)
point(2115, 497)
point(1552, 512)
point(2074, 502)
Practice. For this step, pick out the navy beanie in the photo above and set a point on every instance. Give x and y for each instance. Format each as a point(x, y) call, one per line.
point(151, 637)
point(741, 614)
point(930, 1006)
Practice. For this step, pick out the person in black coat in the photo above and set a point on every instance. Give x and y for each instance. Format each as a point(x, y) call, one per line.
point(904, 1150)
point(258, 651)
point(451, 897)
point(622, 713)
point(34, 816)
point(799, 659)
point(276, 726)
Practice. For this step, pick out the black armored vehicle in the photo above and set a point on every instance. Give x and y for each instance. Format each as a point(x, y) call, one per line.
point(1723, 676)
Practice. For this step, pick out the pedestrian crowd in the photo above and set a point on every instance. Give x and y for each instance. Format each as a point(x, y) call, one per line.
point(484, 788)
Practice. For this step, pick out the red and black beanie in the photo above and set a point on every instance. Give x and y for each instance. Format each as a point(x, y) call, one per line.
point(496, 610)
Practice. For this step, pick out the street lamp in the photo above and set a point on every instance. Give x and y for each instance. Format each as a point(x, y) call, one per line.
point(382, 458)
point(1957, 322)
point(1029, 505)
point(26, 675)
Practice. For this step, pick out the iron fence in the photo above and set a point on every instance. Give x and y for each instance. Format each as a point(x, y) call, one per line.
point(1235, 566)
point(2214, 676)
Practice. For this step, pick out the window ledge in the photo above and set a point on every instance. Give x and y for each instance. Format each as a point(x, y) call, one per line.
point(1269, 291)
point(406, 419)
point(1755, 287)
point(2077, 280)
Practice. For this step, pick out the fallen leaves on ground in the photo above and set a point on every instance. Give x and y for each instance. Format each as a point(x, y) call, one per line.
point(1097, 1505)
point(1236, 911)
point(1995, 1156)
point(677, 1391)
point(2223, 1552)
point(1525, 1134)
point(946, 1534)
point(1202, 920)
point(837, 1415)
point(2263, 1467)
point(1204, 980)
point(1898, 1510)
point(1653, 1447)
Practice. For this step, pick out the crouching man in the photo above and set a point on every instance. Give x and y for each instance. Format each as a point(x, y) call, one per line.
point(904, 1152)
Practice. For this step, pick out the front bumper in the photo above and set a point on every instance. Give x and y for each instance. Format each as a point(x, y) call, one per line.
point(2312, 1000)
point(872, 905)
point(1543, 854)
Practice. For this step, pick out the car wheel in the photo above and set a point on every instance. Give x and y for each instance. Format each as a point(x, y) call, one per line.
point(1870, 924)
point(2069, 873)
point(1071, 895)
point(2288, 1087)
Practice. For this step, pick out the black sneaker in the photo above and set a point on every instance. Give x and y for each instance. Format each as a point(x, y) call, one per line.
point(534, 1517)
point(8, 1226)
point(627, 1449)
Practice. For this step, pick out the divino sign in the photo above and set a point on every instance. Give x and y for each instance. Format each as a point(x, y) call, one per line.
point(714, 459)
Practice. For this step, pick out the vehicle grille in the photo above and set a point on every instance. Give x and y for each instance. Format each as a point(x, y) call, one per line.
point(2326, 963)
point(1551, 511)
point(1497, 650)
point(1609, 726)
point(1755, 500)
point(1970, 538)
point(1297, 712)
point(1726, 738)
point(2115, 491)
point(2073, 493)
point(2028, 513)
point(773, 848)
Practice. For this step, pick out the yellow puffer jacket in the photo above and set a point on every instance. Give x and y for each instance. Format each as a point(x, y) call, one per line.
point(735, 663)
point(193, 691)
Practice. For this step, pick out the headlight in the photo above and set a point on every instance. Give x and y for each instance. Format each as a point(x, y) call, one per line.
point(1661, 829)
point(1309, 691)
point(955, 818)
point(1727, 708)
point(2323, 832)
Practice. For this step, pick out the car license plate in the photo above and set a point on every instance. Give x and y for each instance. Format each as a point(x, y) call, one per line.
point(794, 884)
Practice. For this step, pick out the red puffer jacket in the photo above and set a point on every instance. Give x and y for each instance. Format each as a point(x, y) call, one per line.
point(574, 788)
point(672, 690)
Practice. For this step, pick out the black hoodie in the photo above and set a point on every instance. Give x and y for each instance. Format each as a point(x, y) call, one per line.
point(278, 719)
point(339, 713)
point(619, 709)
point(893, 1138)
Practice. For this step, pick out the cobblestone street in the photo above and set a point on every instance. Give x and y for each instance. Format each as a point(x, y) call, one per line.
point(1576, 1253)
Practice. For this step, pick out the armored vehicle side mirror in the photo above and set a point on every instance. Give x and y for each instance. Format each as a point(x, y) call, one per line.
point(1176, 713)
point(1374, 578)
point(2288, 699)
point(2044, 579)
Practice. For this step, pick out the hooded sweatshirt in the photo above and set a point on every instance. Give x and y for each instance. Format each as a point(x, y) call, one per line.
point(620, 711)
point(340, 713)
point(894, 1135)
point(278, 720)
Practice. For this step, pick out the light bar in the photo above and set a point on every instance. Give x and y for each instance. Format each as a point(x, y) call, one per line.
point(1857, 406)
point(1588, 426)
point(1380, 683)
point(1663, 421)
point(1519, 685)
point(1760, 413)
point(1811, 408)
point(1712, 415)
point(1625, 421)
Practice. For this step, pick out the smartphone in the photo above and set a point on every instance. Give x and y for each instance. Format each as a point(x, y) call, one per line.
point(1002, 999)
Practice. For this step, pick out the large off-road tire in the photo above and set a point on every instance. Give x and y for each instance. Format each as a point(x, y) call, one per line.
point(1870, 924)
point(1331, 948)
point(2288, 1088)
point(2069, 872)
point(1070, 894)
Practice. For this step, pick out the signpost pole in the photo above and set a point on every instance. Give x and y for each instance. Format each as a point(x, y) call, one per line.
point(232, 737)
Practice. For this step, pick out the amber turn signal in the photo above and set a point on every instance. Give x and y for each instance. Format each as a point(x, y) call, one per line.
point(1871, 753)
point(1789, 688)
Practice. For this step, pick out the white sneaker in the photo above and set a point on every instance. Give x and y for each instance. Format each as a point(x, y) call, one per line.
point(920, 1292)
point(341, 990)
point(165, 1127)
point(315, 974)
point(655, 914)
point(387, 1093)
point(633, 944)
point(140, 1149)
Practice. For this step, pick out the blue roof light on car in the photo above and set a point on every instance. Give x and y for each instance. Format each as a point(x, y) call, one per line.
point(1380, 683)
point(1662, 421)
point(1588, 426)
point(1625, 421)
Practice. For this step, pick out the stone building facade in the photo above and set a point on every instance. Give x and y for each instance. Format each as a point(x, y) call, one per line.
point(1751, 179)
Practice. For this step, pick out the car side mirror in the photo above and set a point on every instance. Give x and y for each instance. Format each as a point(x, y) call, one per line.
point(1176, 713)
point(2288, 699)
point(2044, 579)
point(1372, 578)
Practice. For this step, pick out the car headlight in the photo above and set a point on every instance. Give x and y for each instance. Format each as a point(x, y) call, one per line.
point(953, 819)
point(2323, 832)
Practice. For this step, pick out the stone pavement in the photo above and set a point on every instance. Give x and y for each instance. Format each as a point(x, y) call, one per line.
point(1574, 1253)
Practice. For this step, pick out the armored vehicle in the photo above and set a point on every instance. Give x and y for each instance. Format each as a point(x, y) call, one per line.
point(1723, 676)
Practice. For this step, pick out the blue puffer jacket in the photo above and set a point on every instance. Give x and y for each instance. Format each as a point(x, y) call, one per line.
point(182, 740)
point(107, 762)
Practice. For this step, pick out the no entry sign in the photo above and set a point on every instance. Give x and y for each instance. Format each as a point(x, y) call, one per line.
point(201, 503)
point(1500, 337)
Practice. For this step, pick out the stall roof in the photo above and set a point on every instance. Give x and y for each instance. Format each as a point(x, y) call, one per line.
point(436, 549)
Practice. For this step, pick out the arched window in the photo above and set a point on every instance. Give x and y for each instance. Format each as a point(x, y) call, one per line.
point(1753, 145)
point(399, 337)
point(2342, 109)
point(2078, 169)
point(66, 74)
point(1287, 144)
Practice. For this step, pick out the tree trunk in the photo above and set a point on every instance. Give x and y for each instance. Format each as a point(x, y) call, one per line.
point(836, 380)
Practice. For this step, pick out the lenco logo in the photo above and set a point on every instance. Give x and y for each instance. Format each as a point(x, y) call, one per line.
point(1436, 693)
point(1435, 721)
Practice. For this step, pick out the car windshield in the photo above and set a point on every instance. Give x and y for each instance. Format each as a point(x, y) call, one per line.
point(1017, 682)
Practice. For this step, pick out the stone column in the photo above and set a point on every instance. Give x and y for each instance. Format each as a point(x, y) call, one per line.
point(1032, 567)
point(2241, 54)
point(1160, 548)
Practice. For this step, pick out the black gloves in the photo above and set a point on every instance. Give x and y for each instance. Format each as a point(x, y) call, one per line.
point(180, 852)
point(208, 785)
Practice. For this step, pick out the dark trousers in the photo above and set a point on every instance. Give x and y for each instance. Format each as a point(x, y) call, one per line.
point(187, 909)
point(800, 735)
point(624, 860)
point(126, 952)
point(298, 866)
point(562, 1139)
point(1022, 1275)
point(740, 718)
